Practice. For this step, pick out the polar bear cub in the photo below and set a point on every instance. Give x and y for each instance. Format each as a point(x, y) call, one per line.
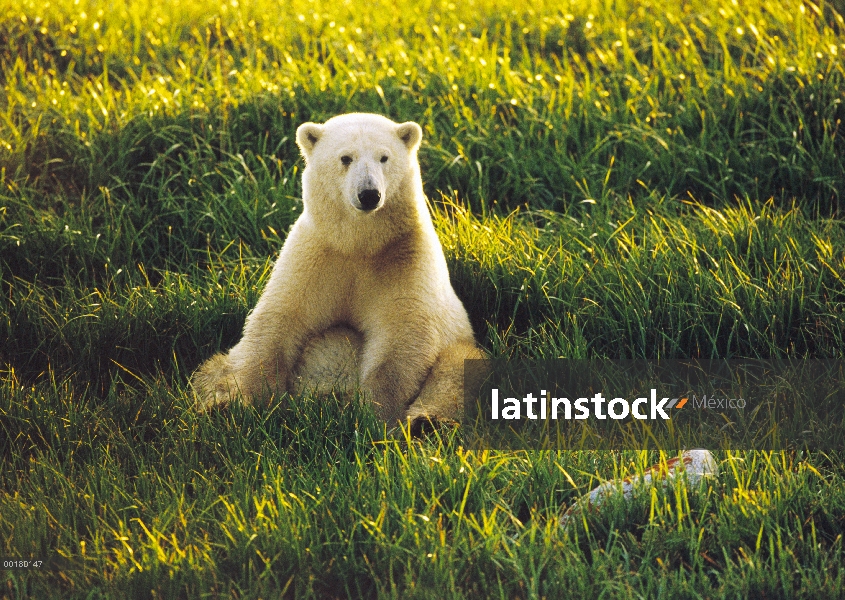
point(360, 294)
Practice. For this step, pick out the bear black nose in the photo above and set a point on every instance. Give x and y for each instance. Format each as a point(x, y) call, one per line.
point(369, 199)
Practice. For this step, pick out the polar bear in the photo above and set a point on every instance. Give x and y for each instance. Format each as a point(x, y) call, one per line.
point(360, 295)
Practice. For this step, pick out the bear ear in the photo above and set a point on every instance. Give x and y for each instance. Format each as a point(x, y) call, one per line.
point(307, 136)
point(411, 134)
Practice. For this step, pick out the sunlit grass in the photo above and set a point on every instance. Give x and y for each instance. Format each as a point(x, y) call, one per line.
point(311, 501)
point(710, 283)
point(714, 98)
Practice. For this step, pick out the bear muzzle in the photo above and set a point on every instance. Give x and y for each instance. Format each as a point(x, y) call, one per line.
point(368, 199)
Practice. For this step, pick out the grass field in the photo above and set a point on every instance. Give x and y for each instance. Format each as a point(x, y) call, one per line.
point(609, 179)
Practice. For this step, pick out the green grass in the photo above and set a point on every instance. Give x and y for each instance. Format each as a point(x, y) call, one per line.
point(608, 180)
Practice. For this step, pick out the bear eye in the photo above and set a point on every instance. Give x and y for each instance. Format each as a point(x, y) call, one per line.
point(346, 160)
point(384, 159)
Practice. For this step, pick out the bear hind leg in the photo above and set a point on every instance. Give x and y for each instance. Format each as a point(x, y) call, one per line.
point(214, 383)
point(441, 397)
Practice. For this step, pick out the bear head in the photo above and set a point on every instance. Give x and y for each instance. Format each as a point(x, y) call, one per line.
point(361, 168)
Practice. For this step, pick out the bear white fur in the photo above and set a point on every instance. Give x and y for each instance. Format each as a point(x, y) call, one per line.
point(360, 294)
